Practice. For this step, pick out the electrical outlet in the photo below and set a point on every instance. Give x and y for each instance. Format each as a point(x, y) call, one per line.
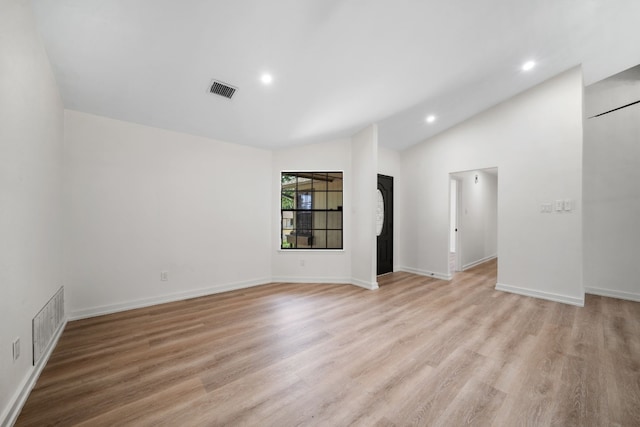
point(16, 349)
point(164, 276)
point(301, 263)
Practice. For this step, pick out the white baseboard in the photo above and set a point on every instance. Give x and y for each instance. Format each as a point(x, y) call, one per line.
point(478, 262)
point(12, 411)
point(538, 294)
point(328, 280)
point(147, 302)
point(613, 294)
point(294, 279)
point(435, 275)
point(363, 284)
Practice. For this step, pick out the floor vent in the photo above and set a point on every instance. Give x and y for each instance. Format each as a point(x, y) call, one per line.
point(46, 324)
point(222, 89)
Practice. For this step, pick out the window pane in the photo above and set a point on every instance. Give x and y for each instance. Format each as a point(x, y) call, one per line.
point(311, 204)
point(304, 183)
point(335, 200)
point(300, 240)
point(303, 223)
point(320, 239)
point(334, 220)
point(288, 178)
point(320, 181)
point(319, 200)
point(288, 241)
point(304, 201)
point(287, 223)
point(319, 220)
point(335, 176)
point(334, 239)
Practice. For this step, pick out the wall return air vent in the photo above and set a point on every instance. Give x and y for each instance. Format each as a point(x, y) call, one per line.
point(219, 88)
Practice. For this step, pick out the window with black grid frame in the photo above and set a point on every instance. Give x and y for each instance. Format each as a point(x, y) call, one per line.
point(311, 210)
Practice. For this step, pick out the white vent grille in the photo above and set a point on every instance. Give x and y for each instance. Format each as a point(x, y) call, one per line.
point(46, 324)
point(222, 89)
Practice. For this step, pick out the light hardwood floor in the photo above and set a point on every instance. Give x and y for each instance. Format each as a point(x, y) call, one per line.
point(418, 351)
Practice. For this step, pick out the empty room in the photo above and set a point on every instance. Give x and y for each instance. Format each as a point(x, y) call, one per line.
point(319, 212)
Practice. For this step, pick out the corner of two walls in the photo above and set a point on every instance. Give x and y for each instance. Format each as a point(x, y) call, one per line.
point(355, 264)
point(311, 266)
point(611, 189)
point(364, 162)
point(535, 140)
point(140, 201)
point(31, 138)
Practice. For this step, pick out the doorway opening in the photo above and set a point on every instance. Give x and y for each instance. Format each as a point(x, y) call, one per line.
point(473, 222)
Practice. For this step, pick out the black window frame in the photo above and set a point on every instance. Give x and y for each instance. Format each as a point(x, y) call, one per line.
point(300, 191)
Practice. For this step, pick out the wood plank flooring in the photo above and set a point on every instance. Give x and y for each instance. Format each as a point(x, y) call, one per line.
point(418, 351)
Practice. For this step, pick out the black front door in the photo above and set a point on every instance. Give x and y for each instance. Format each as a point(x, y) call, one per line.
point(384, 227)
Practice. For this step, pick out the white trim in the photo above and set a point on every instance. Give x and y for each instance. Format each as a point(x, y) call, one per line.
point(538, 294)
point(363, 284)
point(12, 411)
point(327, 280)
point(115, 308)
point(435, 275)
point(630, 296)
point(311, 280)
point(478, 262)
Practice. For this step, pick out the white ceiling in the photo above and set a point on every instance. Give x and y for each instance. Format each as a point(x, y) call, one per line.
point(338, 65)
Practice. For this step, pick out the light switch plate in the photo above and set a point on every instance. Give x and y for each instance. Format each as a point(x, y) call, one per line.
point(559, 205)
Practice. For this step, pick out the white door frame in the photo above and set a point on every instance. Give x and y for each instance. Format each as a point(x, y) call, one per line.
point(459, 191)
point(456, 215)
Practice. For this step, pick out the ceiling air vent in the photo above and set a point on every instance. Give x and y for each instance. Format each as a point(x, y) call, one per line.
point(222, 89)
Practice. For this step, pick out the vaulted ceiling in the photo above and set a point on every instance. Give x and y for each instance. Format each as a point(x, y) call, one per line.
point(337, 65)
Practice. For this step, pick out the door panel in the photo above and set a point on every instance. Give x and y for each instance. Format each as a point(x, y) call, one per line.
point(385, 231)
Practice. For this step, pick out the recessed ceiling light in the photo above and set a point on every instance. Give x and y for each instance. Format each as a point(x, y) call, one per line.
point(266, 78)
point(431, 119)
point(528, 65)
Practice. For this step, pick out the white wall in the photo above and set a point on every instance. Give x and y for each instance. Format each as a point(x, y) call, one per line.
point(31, 127)
point(478, 226)
point(364, 161)
point(312, 265)
point(141, 200)
point(390, 163)
point(612, 191)
point(535, 140)
point(355, 264)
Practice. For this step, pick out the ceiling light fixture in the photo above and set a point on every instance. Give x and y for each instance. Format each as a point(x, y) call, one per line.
point(528, 65)
point(431, 119)
point(266, 79)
